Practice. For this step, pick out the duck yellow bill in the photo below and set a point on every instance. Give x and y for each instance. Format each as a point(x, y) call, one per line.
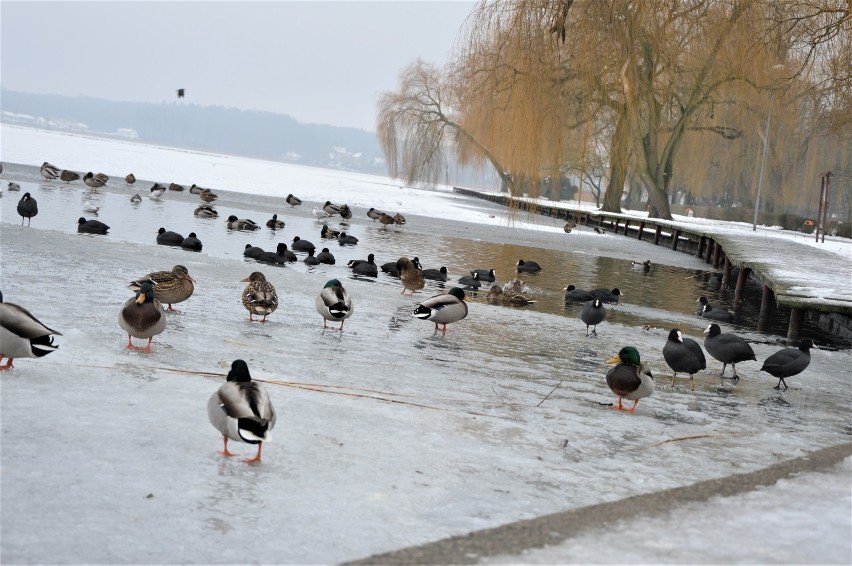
point(614, 360)
point(141, 298)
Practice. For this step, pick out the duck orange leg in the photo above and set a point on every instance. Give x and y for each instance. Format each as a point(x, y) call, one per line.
point(618, 407)
point(130, 345)
point(8, 365)
point(225, 452)
point(257, 456)
point(631, 409)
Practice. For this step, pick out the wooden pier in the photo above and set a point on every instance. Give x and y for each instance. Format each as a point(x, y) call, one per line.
point(785, 268)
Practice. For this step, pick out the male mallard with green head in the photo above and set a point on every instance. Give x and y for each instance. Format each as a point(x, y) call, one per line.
point(630, 378)
point(142, 316)
point(22, 335)
point(443, 309)
point(334, 303)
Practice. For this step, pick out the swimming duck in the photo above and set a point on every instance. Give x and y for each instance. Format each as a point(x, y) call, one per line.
point(508, 297)
point(409, 273)
point(374, 214)
point(259, 296)
point(642, 265)
point(168, 238)
point(439, 274)
point(683, 355)
point(95, 181)
point(241, 410)
point(27, 208)
point(528, 266)
point(365, 268)
point(630, 378)
point(471, 281)
point(205, 211)
point(91, 226)
point(274, 223)
point(252, 251)
point(13, 186)
point(326, 232)
point(593, 313)
point(130, 178)
point(607, 296)
point(320, 214)
point(284, 253)
point(49, 172)
point(330, 209)
point(346, 240)
point(326, 257)
point(68, 176)
point(142, 316)
point(176, 187)
point(170, 287)
point(788, 362)
point(270, 257)
point(310, 259)
point(246, 224)
point(443, 309)
point(136, 199)
point(300, 245)
point(293, 201)
point(157, 191)
point(713, 313)
point(517, 286)
point(334, 303)
point(191, 242)
point(727, 348)
point(487, 275)
point(577, 295)
point(390, 268)
point(22, 335)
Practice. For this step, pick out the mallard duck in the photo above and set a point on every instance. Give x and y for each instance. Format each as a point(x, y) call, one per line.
point(205, 211)
point(300, 245)
point(385, 219)
point(727, 348)
point(710, 312)
point(246, 224)
point(27, 208)
point(274, 223)
point(487, 275)
point(259, 296)
point(599, 230)
point(471, 280)
point(788, 362)
point(157, 191)
point(142, 316)
point(22, 335)
point(528, 266)
point(443, 309)
point(196, 190)
point(191, 242)
point(410, 275)
point(310, 259)
point(49, 172)
point(683, 355)
point(374, 214)
point(345, 212)
point(13, 186)
point(508, 297)
point(642, 265)
point(398, 219)
point(95, 181)
point(345, 239)
point(91, 226)
point(293, 201)
point(326, 257)
point(630, 378)
point(569, 225)
point(176, 187)
point(207, 195)
point(68, 176)
point(593, 313)
point(241, 410)
point(606, 295)
point(130, 178)
point(328, 233)
point(577, 295)
point(170, 287)
point(439, 274)
point(136, 199)
point(517, 286)
point(330, 209)
point(366, 268)
point(168, 238)
point(334, 303)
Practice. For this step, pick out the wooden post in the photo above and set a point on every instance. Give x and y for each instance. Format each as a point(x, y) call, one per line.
point(766, 301)
point(675, 238)
point(796, 317)
point(702, 242)
point(726, 272)
point(717, 249)
point(657, 235)
point(741, 281)
point(615, 228)
point(641, 230)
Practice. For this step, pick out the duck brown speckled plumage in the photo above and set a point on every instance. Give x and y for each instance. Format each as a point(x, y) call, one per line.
point(259, 296)
point(170, 287)
point(410, 275)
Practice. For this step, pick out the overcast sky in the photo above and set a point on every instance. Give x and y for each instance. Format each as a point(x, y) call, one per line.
point(318, 61)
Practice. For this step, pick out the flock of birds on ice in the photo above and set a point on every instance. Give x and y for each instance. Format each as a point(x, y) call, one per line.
point(241, 409)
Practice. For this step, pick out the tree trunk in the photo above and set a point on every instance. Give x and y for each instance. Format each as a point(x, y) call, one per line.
point(618, 165)
point(658, 203)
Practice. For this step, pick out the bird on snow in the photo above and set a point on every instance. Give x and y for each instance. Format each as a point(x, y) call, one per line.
point(293, 201)
point(788, 362)
point(142, 316)
point(410, 275)
point(630, 378)
point(49, 172)
point(91, 227)
point(334, 303)
point(727, 348)
point(27, 208)
point(259, 297)
point(683, 355)
point(95, 181)
point(443, 309)
point(68, 176)
point(170, 287)
point(22, 335)
point(593, 313)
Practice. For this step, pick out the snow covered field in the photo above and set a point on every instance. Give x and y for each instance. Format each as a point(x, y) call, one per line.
point(388, 435)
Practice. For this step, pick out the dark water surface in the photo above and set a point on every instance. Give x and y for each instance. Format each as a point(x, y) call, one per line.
point(664, 297)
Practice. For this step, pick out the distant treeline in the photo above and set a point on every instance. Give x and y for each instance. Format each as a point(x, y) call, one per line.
point(213, 128)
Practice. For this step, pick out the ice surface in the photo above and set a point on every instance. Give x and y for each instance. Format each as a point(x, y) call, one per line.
point(388, 435)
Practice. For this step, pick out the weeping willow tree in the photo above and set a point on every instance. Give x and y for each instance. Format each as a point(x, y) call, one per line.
point(539, 86)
